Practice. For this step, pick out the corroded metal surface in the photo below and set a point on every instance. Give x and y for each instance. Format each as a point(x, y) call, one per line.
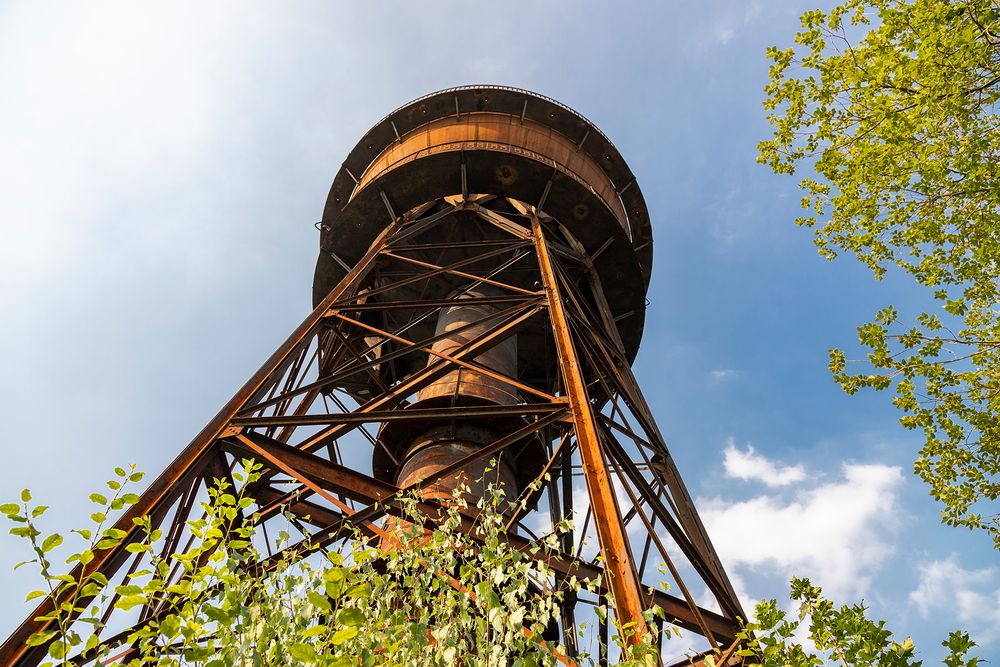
point(500, 133)
point(460, 323)
point(624, 580)
point(517, 102)
point(503, 142)
point(431, 450)
point(441, 447)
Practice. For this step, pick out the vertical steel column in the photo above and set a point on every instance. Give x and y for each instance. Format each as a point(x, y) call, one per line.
point(622, 579)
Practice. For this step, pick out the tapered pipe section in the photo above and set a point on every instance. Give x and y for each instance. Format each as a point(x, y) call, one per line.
point(443, 446)
point(464, 385)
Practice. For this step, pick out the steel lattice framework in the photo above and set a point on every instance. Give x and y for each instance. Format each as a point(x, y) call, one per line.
point(353, 372)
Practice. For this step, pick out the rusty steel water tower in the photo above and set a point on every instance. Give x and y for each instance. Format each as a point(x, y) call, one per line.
point(479, 295)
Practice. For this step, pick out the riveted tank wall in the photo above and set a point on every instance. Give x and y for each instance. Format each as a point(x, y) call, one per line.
point(500, 133)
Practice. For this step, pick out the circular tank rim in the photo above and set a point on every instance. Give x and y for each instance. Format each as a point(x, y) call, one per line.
point(476, 98)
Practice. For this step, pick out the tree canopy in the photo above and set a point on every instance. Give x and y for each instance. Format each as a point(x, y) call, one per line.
point(888, 110)
point(437, 596)
point(837, 635)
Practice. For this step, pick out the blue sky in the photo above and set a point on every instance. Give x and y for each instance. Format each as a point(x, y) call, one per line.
point(160, 174)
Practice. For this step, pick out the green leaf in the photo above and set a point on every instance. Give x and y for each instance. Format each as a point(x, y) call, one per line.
point(126, 603)
point(343, 635)
point(170, 626)
point(303, 653)
point(359, 591)
point(128, 589)
point(315, 631)
point(89, 590)
point(23, 531)
point(98, 499)
point(39, 638)
point(34, 594)
point(319, 600)
point(350, 616)
point(336, 579)
point(25, 496)
point(38, 511)
point(57, 649)
point(9, 509)
point(51, 542)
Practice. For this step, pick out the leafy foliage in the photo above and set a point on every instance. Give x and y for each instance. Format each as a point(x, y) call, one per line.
point(844, 636)
point(437, 596)
point(892, 106)
point(67, 596)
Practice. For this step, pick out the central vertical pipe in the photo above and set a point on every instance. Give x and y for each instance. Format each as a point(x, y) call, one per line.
point(445, 444)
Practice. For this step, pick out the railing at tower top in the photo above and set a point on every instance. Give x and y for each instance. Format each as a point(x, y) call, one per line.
point(509, 89)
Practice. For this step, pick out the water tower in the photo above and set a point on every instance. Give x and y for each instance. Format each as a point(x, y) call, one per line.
point(479, 296)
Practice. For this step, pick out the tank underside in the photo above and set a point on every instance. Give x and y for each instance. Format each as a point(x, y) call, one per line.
point(474, 160)
point(507, 143)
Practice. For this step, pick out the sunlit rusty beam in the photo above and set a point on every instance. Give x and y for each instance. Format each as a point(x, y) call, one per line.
point(624, 582)
point(351, 368)
point(457, 412)
point(435, 303)
point(438, 271)
point(168, 485)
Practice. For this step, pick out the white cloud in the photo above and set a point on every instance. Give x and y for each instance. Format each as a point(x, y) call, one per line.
point(720, 23)
point(724, 374)
point(835, 533)
point(724, 33)
point(970, 598)
point(727, 218)
point(750, 466)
